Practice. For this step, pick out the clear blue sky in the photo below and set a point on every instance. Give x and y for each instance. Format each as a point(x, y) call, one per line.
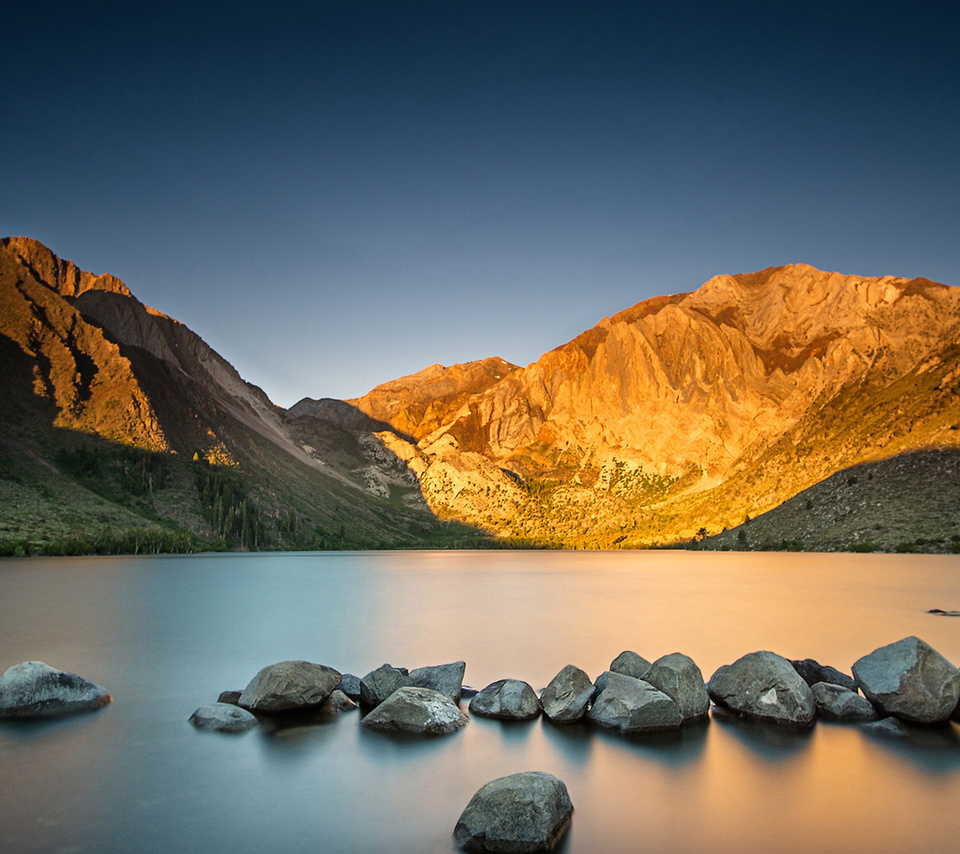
point(334, 194)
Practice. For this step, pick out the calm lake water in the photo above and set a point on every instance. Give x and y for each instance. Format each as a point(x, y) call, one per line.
point(167, 634)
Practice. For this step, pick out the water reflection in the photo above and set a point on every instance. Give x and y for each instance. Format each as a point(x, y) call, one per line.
point(773, 742)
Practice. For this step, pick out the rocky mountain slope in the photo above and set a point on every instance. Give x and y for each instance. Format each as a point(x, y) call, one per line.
point(120, 429)
point(691, 411)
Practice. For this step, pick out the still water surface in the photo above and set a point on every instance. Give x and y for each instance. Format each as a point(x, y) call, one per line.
point(167, 634)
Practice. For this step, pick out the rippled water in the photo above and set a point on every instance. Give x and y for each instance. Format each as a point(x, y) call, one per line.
point(168, 634)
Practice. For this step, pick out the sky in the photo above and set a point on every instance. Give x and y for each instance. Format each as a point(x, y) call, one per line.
point(335, 194)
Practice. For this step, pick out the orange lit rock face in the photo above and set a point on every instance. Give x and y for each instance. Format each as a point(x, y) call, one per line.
point(683, 393)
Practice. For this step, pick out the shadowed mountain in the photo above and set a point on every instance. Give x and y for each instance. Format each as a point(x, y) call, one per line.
point(96, 386)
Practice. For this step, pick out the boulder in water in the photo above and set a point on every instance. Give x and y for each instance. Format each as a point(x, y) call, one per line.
point(508, 700)
point(223, 717)
point(765, 686)
point(416, 710)
point(287, 686)
point(567, 696)
point(36, 690)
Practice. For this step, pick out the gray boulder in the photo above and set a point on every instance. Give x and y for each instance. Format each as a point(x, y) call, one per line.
point(630, 664)
point(508, 700)
point(910, 680)
point(287, 686)
point(36, 690)
point(379, 684)
point(677, 676)
point(567, 696)
point(812, 672)
point(836, 703)
point(416, 710)
point(445, 678)
point(632, 705)
point(765, 686)
point(338, 702)
point(350, 685)
point(223, 717)
point(231, 697)
point(524, 812)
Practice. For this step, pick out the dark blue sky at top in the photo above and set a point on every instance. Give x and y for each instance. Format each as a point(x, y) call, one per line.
point(334, 194)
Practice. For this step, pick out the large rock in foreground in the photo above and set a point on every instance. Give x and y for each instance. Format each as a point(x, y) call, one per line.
point(524, 812)
point(910, 680)
point(508, 700)
point(445, 678)
point(678, 676)
point(417, 710)
point(287, 686)
point(223, 717)
point(566, 698)
point(36, 690)
point(632, 705)
point(765, 686)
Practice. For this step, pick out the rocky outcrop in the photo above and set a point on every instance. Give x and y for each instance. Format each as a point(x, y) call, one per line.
point(416, 710)
point(764, 686)
point(678, 676)
point(36, 690)
point(836, 703)
point(223, 717)
point(288, 686)
point(568, 695)
point(508, 700)
point(630, 663)
point(445, 678)
point(633, 706)
point(526, 812)
point(379, 684)
point(910, 680)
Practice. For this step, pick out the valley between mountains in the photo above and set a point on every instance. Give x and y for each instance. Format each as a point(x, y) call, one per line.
point(787, 408)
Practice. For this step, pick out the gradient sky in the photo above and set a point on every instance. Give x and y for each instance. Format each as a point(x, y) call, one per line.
point(334, 194)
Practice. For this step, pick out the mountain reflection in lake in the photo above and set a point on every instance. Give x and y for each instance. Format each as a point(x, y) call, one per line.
point(168, 634)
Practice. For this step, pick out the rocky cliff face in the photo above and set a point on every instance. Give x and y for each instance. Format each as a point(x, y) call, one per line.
point(624, 426)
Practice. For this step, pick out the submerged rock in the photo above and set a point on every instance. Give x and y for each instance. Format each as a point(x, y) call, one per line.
point(508, 700)
point(836, 703)
point(416, 710)
point(379, 684)
point(223, 717)
point(812, 672)
point(631, 664)
point(567, 696)
point(445, 678)
point(677, 676)
point(524, 812)
point(765, 686)
point(910, 680)
point(632, 706)
point(36, 690)
point(289, 685)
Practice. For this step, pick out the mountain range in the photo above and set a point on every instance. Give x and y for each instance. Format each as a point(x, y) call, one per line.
point(722, 417)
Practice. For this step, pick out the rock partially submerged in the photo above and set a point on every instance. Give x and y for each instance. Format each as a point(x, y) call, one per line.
point(231, 697)
point(677, 676)
point(379, 684)
point(350, 685)
point(633, 706)
point(289, 686)
point(36, 690)
point(223, 717)
point(812, 672)
point(416, 710)
point(338, 702)
point(445, 678)
point(508, 700)
point(910, 680)
point(568, 695)
point(764, 686)
point(836, 703)
point(524, 812)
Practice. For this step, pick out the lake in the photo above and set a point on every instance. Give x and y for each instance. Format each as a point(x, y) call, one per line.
point(167, 634)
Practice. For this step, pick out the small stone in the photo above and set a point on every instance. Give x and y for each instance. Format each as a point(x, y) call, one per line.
point(223, 717)
point(379, 684)
point(836, 703)
point(338, 702)
point(526, 812)
point(568, 695)
point(812, 672)
point(445, 678)
point(230, 697)
point(350, 685)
